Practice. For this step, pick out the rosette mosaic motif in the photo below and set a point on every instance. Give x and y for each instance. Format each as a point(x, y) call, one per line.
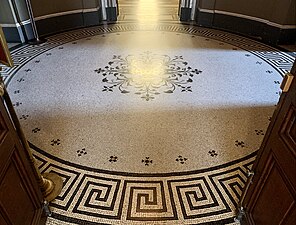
point(147, 75)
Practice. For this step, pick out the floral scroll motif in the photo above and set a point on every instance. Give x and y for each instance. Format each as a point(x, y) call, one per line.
point(147, 75)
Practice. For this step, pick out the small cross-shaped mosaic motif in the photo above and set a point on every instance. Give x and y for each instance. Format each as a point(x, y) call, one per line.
point(147, 161)
point(277, 82)
point(186, 89)
point(213, 153)
point(24, 117)
point(259, 132)
point(81, 152)
point(17, 104)
point(21, 80)
point(240, 144)
point(35, 130)
point(147, 97)
point(181, 159)
point(107, 89)
point(113, 159)
point(55, 142)
point(269, 71)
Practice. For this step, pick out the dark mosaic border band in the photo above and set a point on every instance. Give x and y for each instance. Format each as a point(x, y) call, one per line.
point(85, 222)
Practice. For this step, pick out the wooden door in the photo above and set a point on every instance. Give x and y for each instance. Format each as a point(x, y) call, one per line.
point(271, 197)
point(20, 196)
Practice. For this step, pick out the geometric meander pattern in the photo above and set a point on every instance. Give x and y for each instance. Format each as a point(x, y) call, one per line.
point(105, 197)
point(93, 196)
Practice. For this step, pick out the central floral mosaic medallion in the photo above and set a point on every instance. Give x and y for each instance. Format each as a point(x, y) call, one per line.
point(147, 75)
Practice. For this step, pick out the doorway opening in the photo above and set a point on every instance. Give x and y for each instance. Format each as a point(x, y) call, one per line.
point(148, 11)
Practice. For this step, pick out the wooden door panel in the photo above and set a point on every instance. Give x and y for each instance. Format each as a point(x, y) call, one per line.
point(14, 192)
point(292, 219)
point(274, 188)
point(271, 197)
point(5, 143)
point(3, 129)
point(2, 221)
point(20, 195)
point(288, 130)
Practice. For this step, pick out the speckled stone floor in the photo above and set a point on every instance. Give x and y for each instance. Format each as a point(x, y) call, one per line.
point(148, 121)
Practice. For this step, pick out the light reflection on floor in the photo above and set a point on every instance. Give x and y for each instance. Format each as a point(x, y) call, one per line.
point(148, 12)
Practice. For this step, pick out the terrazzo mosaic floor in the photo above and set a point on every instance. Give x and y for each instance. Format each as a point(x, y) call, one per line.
point(105, 99)
point(147, 123)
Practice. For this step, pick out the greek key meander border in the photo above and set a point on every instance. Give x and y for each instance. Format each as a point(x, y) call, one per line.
point(279, 61)
point(225, 192)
